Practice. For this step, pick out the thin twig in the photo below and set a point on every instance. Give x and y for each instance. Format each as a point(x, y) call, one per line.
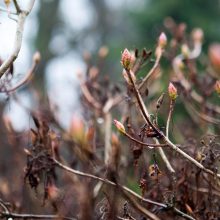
point(161, 135)
point(182, 214)
point(146, 116)
point(2, 204)
point(32, 216)
point(89, 97)
point(152, 71)
point(192, 110)
point(108, 125)
point(142, 105)
point(140, 208)
point(106, 181)
point(27, 77)
point(18, 39)
point(185, 155)
point(172, 102)
point(17, 6)
point(165, 160)
point(143, 143)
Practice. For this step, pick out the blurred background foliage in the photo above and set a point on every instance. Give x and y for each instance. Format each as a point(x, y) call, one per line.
point(117, 24)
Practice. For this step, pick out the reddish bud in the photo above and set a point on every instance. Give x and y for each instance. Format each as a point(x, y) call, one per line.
point(93, 72)
point(37, 57)
point(119, 126)
point(77, 130)
point(126, 59)
point(172, 91)
point(162, 41)
point(103, 51)
point(197, 35)
point(217, 86)
point(53, 192)
point(214, 56)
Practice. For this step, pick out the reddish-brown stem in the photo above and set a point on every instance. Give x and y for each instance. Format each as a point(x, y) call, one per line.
point(141, 105)
point(161, 135)
point(124, 188)
point(143, 143)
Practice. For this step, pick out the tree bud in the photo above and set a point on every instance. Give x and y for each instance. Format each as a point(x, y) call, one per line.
point(126, 59)
point(119, 126)
point(162, 41)
point(172, 91)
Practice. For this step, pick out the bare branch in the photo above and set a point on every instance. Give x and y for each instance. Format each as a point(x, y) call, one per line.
point(145, 115)
point(18, 39)
point(124, 188)
point(32, 216)
point(17, 6)
point(106, 181)
point(27, 78)
point(140, 208)
point(150, 145)
point(153, 70)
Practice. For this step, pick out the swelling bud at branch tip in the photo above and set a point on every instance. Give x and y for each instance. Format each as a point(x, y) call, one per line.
point(119, 126)
point(162, 41)
point(172, 91)
point(37, 57)
point(214, 56)
point(126, 59)
point(197, 35)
